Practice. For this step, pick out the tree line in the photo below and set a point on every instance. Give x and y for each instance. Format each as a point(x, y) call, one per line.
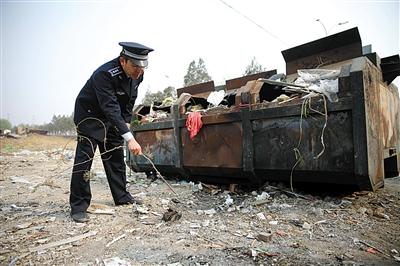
point(59, 125)
point(196, 73)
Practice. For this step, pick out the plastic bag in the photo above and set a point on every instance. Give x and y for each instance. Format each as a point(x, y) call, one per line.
point(329, 88)
point(320, 80)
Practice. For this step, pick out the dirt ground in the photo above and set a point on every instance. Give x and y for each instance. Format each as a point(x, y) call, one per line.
point(208, 225)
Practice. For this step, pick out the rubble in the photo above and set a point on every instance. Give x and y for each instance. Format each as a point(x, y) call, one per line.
point(171, 215)
point(215, 226)
point(266, 237)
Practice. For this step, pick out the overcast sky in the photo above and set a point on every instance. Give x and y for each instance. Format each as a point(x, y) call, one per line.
point(50, 48)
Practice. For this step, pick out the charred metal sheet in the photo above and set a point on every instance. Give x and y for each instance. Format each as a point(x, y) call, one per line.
point(221, 118)
point(153, 126)
point(295, 110)
point(236, 83)
point(281, 135)
point(374, 58)
point(390, 68)
point(247, 143)
point(159, 145)
point(142, 110)
point(359, 130)
point(329, 50)
point(215, 146)
point(197, 88)
point(177, 141)
point(390, 59)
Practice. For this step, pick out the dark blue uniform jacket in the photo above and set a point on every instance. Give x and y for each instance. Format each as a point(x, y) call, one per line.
point(108, 96)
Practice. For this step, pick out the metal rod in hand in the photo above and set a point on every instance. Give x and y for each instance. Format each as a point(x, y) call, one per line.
point(165, 181)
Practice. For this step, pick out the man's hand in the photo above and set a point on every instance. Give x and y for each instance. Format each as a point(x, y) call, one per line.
point(134, 147)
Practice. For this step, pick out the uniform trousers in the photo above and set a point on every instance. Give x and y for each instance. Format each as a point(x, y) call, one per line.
point(114, 166)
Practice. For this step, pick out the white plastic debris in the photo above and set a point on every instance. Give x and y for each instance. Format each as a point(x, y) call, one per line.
point(231, 209)
point(20, 179)
point(142, 210)
point(327, 87)
point(205, 223)
point(253, 253)
point(320, 80)
point(228, 200)
point(216, 97)
point(194, 225)
point(23, 225)
point(200, 212)
point(314, 75)
point(164, 201)
point(306, 226)
point(193, 233)
point(285, 205)
point(261, 216)
point(273, 222)
point(210, 211)
point(116, 261)
point(196, 187)
point(175, 264)
point(264, 195)
point(250, 236)
point(51, 219)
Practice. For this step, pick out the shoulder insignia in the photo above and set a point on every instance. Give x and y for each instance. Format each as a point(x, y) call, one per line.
point(115, 71)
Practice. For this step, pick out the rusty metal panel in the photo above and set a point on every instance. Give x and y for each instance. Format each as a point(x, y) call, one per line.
point(329, 50)
point(374, 123)
point(236, 83)
point(197, 88)
point(383, 127)
point(276, 138)
point(221, 118)
point(158, 145)
point(390, 117)
point(216, 146)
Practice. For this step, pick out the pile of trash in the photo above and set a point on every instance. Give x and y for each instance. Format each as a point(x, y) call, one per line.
point(309, 83)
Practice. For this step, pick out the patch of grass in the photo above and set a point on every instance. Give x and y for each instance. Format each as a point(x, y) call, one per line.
point(7, 148)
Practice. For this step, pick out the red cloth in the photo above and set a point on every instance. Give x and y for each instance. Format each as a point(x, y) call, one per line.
point(193, 123)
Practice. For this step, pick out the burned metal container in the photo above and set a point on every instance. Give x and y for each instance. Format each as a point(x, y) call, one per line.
point(254, 139)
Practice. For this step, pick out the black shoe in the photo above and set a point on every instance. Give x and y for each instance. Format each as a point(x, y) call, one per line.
point(131, 201)
point(80, 217)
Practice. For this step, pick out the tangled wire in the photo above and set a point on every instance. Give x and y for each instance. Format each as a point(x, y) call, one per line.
point(90, 158)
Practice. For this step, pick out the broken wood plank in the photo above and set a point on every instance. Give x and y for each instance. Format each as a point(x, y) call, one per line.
point(371, 246)
point(96, 208)
point(260, 202)
point(62, 242)
point(115, 240)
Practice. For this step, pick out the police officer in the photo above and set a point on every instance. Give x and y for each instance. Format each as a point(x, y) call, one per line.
point(103, 111)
